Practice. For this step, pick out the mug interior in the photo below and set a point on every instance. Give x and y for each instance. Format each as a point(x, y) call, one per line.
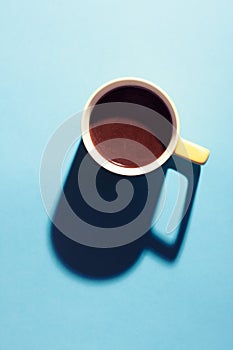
point(130, 113)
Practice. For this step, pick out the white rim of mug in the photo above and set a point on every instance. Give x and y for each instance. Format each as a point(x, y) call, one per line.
point(85, 122)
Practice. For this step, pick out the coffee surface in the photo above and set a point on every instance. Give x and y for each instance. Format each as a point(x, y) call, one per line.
point(134, 127)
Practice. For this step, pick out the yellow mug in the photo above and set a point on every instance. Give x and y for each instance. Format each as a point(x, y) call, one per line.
point(177, 145)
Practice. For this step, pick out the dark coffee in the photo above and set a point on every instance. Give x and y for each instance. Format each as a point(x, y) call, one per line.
point(131, 126)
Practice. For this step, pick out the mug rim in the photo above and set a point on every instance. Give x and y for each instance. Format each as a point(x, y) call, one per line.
point(85, 123)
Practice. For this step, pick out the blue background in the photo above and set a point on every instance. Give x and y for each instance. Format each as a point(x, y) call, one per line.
point(54, 54)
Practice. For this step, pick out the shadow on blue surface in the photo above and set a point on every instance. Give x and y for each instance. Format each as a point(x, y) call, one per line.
point(103, 263)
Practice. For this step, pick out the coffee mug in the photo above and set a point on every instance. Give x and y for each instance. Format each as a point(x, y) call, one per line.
point(138, 125)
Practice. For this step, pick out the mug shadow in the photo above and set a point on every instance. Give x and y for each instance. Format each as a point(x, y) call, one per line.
point(104, 263)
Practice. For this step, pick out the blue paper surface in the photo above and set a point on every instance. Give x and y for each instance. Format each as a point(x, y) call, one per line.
point(54, 54)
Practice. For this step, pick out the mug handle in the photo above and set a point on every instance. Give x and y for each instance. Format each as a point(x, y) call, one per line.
point(191, 151)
